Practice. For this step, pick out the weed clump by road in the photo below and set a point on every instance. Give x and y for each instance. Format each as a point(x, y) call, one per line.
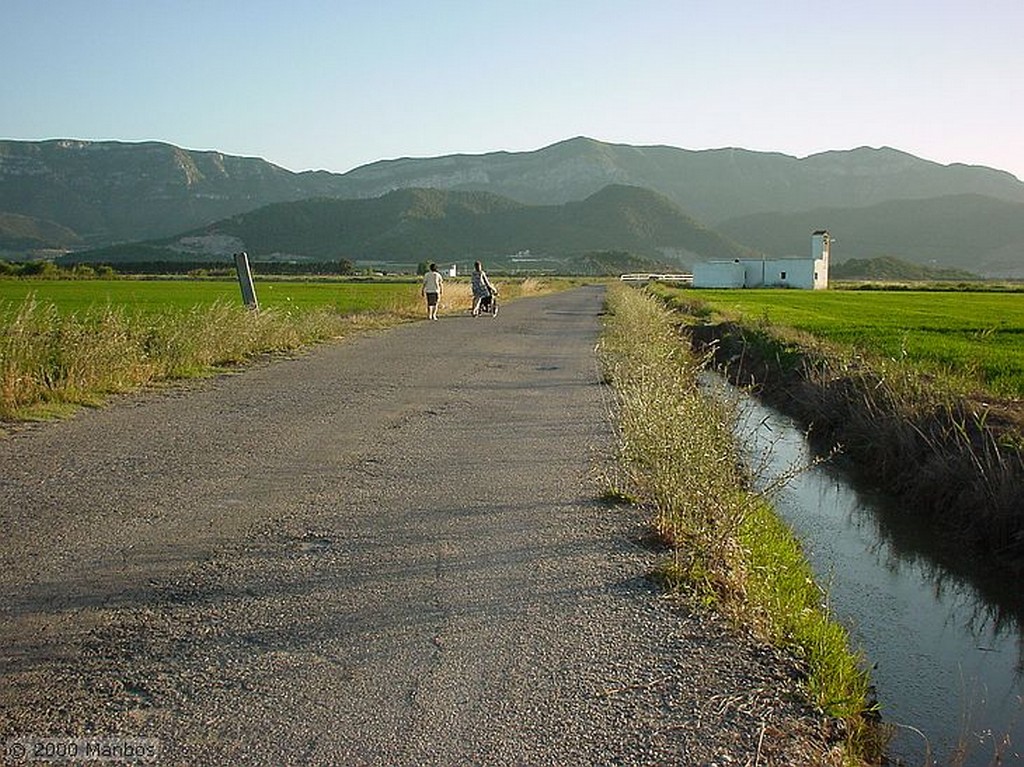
point(952, 452)
point(679, 458)
point(53, 361)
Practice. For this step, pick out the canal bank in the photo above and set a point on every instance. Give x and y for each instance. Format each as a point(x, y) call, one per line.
point(955, 463)
point(944, 646)
point(932, 602)
point(724, 547)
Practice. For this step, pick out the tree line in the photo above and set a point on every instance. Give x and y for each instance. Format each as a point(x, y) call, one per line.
point(50, 270)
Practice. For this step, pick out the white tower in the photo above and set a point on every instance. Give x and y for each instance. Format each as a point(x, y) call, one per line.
point(820, 242)
point(820, 245)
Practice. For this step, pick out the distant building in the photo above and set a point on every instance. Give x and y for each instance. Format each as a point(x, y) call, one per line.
point(790, 272)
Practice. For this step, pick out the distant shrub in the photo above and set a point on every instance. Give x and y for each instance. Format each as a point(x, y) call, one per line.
point(44, 269)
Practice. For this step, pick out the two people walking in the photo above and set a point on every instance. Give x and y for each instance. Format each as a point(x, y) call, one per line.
point(483, 291)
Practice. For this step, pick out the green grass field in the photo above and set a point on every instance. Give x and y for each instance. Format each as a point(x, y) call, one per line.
point(978, 337)
point(160, 295)
point(65, 343)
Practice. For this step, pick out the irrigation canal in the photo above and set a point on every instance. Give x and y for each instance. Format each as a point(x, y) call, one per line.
point(945, 648)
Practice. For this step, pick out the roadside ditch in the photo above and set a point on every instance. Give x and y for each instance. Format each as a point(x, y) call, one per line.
point(955, 464)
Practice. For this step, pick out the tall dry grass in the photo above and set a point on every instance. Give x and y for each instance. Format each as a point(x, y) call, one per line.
point(679, 458)
point(957, 459)
point(676, 445)
point(50, 360)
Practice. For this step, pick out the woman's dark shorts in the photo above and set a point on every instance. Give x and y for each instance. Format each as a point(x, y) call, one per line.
point(432, 299)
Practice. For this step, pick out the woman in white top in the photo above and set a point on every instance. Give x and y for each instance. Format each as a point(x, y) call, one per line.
point(432, 288)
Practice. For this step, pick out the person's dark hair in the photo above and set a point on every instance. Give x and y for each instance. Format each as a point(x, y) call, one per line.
point(478, 266)
point(433, 267)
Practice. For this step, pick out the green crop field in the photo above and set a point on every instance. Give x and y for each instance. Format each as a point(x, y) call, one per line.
point(65, 343)
point(975, 336)
point(160, 295)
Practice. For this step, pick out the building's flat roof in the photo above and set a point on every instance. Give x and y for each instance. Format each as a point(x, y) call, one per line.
point(759, 260)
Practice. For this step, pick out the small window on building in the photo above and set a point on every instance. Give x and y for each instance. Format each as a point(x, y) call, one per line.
point(782, 275)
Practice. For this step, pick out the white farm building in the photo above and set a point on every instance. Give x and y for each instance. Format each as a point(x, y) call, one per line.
point(805, 273)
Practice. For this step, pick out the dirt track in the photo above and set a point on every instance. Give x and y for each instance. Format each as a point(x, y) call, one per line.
point(386, 551)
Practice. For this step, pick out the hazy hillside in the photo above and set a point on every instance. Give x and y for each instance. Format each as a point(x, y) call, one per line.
point(23, 233)
point(712, 185)
point(980, 234)
point(887, 268)
point(108, 192)
point(623, 217)
point(412, 225)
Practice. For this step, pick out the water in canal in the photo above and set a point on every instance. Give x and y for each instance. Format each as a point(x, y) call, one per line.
point(945, 648)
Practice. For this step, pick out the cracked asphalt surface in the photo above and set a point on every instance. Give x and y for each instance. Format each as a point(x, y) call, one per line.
point(388, 551)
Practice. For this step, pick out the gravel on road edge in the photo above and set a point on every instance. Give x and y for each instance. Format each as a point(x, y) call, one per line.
point(386, 551)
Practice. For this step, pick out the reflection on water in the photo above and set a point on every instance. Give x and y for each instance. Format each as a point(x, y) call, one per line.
point(945, 646)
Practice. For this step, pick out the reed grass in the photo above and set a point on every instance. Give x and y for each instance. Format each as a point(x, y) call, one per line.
point(957, 457)
point(51, 359)
point(56, 355)
point(679, 458)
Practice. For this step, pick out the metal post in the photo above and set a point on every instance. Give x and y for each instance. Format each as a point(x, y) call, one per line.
point(245, 281)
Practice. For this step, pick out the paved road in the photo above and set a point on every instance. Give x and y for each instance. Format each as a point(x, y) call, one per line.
point(386, 551)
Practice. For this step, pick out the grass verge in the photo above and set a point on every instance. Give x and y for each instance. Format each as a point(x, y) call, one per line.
point(51, 360)
point(678, 457)
point(955, 456)
point(54, 359)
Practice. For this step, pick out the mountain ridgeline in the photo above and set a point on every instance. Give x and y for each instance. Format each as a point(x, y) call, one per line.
point(713, 185)
point(111, 191)
point(574, 196)
point(411, 225)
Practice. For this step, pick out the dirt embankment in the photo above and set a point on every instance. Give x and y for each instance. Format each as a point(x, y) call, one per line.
point(956, 464)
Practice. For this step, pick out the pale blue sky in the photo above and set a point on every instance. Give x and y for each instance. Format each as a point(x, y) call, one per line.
point(317, 84)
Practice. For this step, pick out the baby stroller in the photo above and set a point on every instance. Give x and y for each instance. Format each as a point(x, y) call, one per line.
point(489, 303)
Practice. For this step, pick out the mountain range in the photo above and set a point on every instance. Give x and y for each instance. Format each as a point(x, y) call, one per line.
point(966, 231)
point(412, 225)
point(577, 195)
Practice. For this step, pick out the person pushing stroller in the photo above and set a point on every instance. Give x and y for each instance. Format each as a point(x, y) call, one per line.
point(483, 292)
